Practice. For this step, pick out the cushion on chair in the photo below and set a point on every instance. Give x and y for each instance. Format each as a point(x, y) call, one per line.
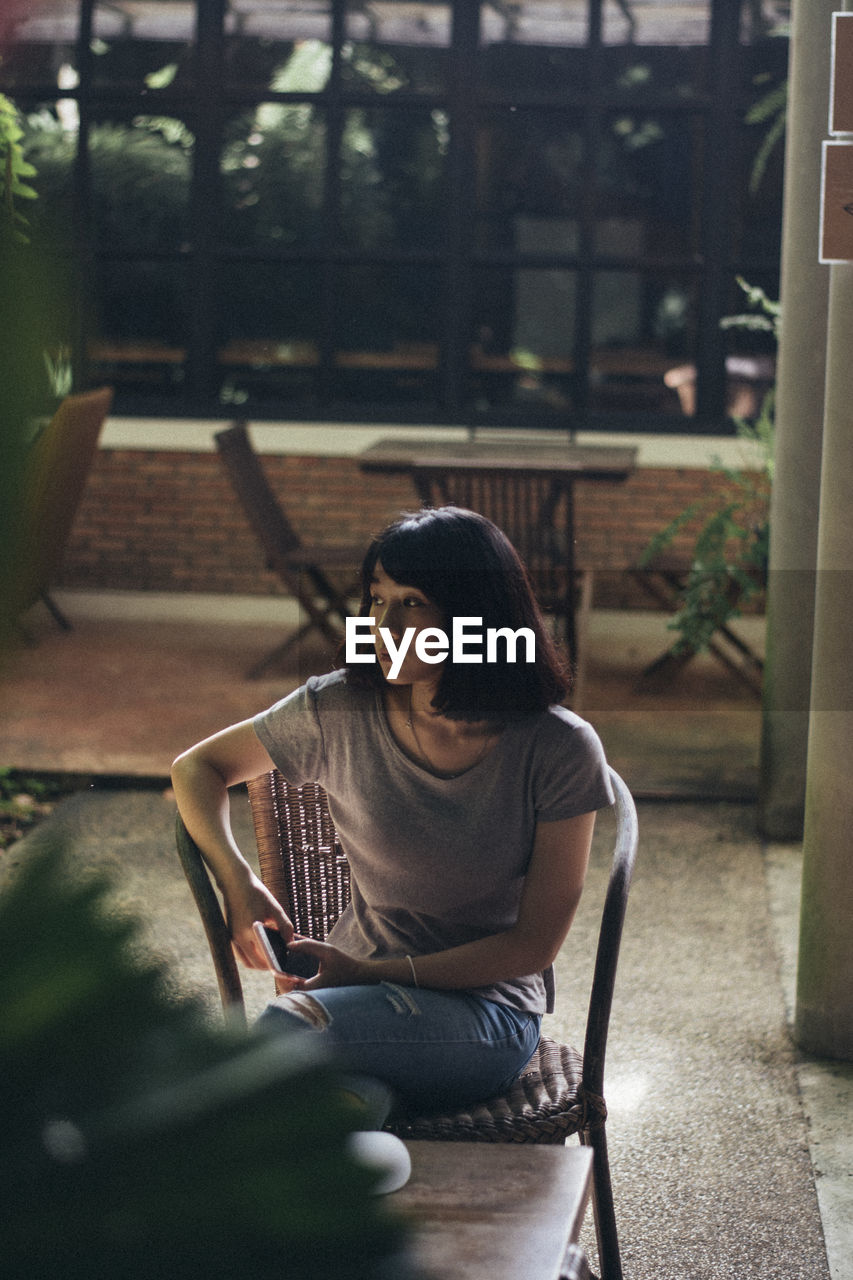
point(546, 1104)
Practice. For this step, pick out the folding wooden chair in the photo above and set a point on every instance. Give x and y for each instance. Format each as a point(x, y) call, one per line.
point(303, 569)
point(56, 474)
point(560, 1092)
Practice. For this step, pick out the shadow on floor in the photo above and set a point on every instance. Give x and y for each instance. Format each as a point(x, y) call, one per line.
point(122, 696)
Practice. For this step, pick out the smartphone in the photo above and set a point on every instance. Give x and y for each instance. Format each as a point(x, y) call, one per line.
point(281, 960)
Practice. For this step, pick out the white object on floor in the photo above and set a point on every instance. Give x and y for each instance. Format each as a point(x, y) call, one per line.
point(385, 1153)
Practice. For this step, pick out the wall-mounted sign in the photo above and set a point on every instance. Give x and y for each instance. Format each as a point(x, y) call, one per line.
point(841, 93)
point(836, 236)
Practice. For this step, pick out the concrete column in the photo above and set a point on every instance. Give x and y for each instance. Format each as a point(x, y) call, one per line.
point(799, 429)
point(824, 1013)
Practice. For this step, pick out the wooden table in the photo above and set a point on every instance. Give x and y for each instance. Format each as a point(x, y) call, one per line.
point(494, 1211)
point(527, 488)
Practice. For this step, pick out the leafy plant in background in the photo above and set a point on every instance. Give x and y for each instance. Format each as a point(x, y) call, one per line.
point(728, 560)
point(138, 1141)
point(14, 169)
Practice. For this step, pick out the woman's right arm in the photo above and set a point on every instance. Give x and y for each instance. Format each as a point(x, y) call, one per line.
point(201, 777)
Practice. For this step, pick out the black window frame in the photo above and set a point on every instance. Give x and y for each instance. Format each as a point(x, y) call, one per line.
point(207, 100)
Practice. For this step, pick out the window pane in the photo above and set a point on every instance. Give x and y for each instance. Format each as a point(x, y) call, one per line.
point(147, 46)
point(392, 178)
point(393, 46)
point(533, 48)
point(273, 166)
point(656, 48)
point(656, 22)
point(38, 40)
point(140, 183)
point(270, 332)
point(643, 332)
point(764, 19)
point(758, 161)
point(387, 331)
point(535, 22)
point(648, 185)
point(283, 48)
point(528, 173)
point(141, 325)
point(50, 144)
point(522, 346)
point(639, 72)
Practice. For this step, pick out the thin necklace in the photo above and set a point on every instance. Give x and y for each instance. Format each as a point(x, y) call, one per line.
point(410, 724)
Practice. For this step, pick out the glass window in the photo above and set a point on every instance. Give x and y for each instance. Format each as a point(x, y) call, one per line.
point(648, 175)
point(50, 145)
point(140, 326)
point(146, 47)
point(38, 44)
point(387, 331)
point(477, 210)
point(141, 172)
point(285, 48)
point(273, 169)
point(541, 23)
point(523, 339)
point(392, 178)
point(643, 329)
point(529, 181)
point(392, 47)
point(270, 332)
point(656, 22)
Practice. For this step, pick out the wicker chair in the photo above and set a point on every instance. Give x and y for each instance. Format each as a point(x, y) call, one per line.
point(560, 1092)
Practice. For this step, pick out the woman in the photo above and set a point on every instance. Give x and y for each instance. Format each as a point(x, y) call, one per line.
point(465, 800)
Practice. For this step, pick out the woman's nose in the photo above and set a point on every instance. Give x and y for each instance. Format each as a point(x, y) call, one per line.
point(390, 619)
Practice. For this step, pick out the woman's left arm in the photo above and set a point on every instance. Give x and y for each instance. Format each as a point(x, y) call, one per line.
point(552, 890)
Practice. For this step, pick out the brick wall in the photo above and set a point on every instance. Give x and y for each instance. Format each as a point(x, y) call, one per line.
point(154, 521)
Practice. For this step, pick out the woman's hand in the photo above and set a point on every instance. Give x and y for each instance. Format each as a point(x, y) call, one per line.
point(244, 905)
point(337, 969)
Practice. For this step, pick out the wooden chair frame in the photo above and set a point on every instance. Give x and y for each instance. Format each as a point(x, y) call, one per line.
point(304, 570)
point(57, 470)
point(560, 1092)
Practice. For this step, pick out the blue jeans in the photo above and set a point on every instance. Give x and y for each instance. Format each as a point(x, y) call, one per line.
point(435, 1050)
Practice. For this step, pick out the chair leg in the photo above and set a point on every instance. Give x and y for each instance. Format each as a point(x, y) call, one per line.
point(276, 654)
point(606, 1235)
point(56, 612)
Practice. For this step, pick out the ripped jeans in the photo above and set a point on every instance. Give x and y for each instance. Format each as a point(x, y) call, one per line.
point(435, 1050)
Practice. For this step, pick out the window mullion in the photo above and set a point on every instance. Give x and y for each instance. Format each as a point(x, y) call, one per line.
point(717, 208)
point(457, 274)
point(206, 201)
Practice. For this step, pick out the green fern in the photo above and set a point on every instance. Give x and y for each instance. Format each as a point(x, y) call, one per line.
point(140, 1142)
point(13, 170)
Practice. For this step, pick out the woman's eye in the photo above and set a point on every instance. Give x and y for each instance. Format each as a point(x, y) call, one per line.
point(413, 602)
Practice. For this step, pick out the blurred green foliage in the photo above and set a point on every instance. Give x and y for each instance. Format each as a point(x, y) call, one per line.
point(729, 557)
point(140, 1141)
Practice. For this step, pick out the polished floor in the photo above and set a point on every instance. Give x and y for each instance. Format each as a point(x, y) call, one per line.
point(138, 678)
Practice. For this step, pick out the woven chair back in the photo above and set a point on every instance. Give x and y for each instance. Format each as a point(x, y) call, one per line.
point(532, 510)
point(300, 856)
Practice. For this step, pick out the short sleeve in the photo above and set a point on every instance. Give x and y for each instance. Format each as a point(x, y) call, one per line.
point(291, 732)
point(571, 775)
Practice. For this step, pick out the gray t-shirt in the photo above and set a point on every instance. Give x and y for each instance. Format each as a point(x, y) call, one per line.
point(434, 862)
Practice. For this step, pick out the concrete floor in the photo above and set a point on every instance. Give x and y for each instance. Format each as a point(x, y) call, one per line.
point(732, 1153)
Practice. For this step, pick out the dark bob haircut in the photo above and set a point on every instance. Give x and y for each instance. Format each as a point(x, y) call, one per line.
point(467, 567)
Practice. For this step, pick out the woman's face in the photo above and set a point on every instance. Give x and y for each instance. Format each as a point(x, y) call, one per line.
point(397, 607)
